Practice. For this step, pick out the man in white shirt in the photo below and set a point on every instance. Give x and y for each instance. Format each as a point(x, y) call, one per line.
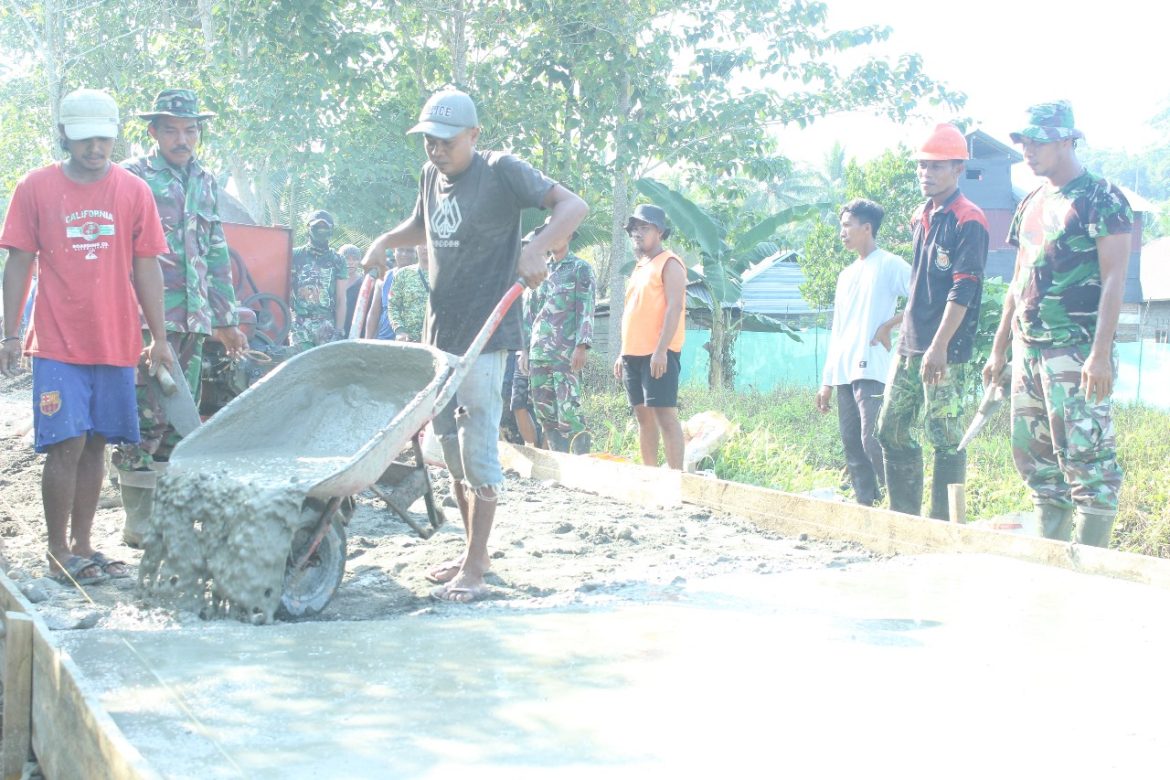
point(858, 358)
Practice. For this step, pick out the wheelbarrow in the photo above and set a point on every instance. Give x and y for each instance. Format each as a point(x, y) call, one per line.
point(329, 423)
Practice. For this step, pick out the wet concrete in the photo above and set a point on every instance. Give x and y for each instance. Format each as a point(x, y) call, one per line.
point(329, 420)
point(941, 665)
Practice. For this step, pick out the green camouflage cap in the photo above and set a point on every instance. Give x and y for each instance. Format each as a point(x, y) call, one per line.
point(1048, 122)
point(181, 103)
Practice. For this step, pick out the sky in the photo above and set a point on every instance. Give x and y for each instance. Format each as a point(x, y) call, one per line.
point(1107, 59)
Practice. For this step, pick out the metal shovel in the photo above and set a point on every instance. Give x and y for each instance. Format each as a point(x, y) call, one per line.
point(994, 396)
point(177, 401)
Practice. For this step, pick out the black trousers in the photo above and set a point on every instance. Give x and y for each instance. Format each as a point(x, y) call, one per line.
point(858, 405)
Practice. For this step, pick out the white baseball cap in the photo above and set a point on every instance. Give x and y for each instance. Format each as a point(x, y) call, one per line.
point(89, 113)
point(446, 114)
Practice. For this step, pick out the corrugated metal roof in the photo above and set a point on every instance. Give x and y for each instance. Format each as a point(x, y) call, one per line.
point(771, 286)
point(985, 147)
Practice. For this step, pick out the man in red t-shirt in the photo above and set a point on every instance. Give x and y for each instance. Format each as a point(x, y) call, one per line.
point(95, 233)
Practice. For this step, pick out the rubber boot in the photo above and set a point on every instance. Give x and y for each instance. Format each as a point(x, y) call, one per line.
point(556, 442)
point(1056, 522)
point(1094, 528)
point(950, 468)
point(581, 444)
point(904, 481)
point(137, 501)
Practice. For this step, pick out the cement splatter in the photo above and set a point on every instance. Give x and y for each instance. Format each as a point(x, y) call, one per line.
point(218, 543)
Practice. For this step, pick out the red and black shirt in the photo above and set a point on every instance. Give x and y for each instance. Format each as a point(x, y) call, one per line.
point(950, 254)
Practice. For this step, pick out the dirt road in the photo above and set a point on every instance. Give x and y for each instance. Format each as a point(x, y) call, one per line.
point(551, 546)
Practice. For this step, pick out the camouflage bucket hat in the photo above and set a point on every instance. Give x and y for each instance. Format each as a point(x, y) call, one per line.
point(180, 103)
point(1048, 122)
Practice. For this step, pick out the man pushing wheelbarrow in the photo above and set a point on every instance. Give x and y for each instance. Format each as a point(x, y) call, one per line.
point(468, 212)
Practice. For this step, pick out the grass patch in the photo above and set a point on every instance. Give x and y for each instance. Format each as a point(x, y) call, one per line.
point(785, 444)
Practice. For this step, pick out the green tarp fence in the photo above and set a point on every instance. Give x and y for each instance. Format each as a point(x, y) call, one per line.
point(765, 361)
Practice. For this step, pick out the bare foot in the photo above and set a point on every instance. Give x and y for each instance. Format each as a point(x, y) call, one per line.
point(461, 591)
point(445, 571)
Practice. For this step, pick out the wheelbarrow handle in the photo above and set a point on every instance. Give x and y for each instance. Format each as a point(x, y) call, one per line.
point(463, 365)
point(362, 305)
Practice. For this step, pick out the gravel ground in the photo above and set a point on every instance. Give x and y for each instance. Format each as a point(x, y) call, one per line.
point(551, 547)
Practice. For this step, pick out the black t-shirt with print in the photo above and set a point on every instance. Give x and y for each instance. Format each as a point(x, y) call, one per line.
point(472, 222)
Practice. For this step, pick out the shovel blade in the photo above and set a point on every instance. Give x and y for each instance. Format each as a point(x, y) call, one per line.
point(180, 407)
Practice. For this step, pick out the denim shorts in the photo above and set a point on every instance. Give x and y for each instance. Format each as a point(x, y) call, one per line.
point(469, 427)
point(71, 400)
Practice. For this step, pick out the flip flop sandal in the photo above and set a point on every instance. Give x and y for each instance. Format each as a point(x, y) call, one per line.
point(461, 595)
point(101, 559)
point(72, 568)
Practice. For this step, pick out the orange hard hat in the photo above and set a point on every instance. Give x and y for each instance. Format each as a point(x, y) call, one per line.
point(946, 142)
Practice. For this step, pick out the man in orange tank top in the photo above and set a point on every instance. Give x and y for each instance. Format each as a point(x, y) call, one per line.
point(652, 337)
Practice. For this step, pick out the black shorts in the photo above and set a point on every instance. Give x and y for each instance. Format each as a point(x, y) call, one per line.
point(643, 389)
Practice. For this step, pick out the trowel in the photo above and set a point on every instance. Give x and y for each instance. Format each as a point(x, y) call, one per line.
point(994, 395)
point(176, 399)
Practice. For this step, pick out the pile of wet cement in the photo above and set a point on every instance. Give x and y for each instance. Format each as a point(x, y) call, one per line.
point(219, 543)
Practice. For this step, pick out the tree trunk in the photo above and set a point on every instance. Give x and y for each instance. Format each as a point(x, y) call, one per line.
point(245, 190)
point(207, 23)
point(458, 43)
point(52, 56)
point(618, 238)
point(716, 346)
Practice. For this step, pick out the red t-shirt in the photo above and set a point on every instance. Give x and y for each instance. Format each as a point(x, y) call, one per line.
point(86, 237)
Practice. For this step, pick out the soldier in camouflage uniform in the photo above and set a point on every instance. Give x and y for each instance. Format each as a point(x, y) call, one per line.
point(199, 298)
point(318, 287)
point(558, 315)
point(938, 331)
point(406, 310)
point(1073, 241)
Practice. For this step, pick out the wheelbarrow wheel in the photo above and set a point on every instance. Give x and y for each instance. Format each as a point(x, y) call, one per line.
point(272, 317)
point(308, 591)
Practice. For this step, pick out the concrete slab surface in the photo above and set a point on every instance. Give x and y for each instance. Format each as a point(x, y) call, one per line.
point(941, 665)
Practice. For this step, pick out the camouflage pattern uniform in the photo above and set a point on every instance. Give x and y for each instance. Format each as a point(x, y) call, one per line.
point(1063, 445)
point(198, 295)
point(559, 316)
point(950, 253)
point(907, 398)
point(315, 274)
point(407, 309)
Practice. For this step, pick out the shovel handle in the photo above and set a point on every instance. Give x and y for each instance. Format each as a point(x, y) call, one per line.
point(165, 380)
point(362, 306)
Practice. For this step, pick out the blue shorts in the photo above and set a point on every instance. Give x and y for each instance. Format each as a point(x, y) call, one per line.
point(72, 400)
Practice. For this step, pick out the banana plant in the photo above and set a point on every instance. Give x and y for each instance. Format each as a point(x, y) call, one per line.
point(724, 257)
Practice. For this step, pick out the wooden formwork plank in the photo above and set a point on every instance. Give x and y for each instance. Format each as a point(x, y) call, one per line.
point(891, 532)
point(878, 530)
point(72, 735)
point(630, 482)
point(11, 599)
point(16, 738)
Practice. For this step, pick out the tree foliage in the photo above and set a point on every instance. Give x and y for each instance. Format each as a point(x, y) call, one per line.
point(725, 254)
point(889, 181)
point(313, 96)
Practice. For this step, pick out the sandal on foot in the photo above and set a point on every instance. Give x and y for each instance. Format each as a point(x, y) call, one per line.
point(459, 595)
point(105, 562)
point(72, 569)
